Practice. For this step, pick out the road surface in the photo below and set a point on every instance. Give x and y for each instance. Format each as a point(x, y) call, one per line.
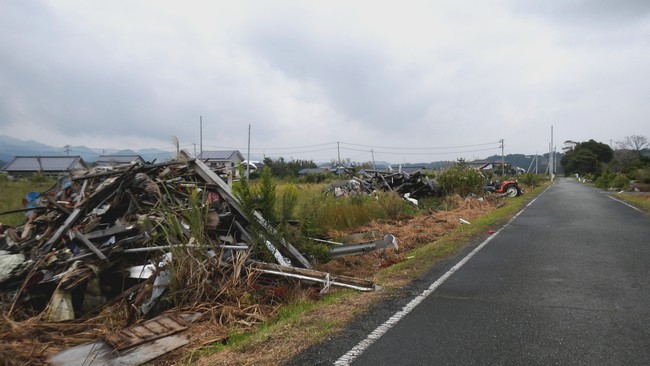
point(567, 282)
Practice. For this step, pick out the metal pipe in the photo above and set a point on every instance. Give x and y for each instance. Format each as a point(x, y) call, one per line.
point(164, 247)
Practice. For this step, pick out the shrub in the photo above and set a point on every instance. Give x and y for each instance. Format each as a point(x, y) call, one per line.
point(530, 179)
point(318, 177)
point(621, 181)
point(267, 196)
point(288, 202)
point(461, 180)
point(605, 180)
point(643, 175)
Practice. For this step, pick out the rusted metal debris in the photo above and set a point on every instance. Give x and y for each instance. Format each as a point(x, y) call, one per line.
point(414, 185)
point(97, 223)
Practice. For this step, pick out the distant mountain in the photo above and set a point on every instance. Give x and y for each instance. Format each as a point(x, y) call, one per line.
point(11, 147)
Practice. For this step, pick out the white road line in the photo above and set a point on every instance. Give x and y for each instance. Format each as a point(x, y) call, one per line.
point(361, 347)
point(625, 203)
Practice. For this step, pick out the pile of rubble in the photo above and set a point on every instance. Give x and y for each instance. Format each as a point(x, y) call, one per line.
point(115, 222)
point(411, 186)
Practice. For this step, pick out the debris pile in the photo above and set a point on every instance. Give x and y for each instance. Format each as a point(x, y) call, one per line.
point(415, 185)
point(98, 238)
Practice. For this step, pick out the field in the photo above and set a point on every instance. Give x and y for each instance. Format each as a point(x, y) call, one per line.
point(11, 198)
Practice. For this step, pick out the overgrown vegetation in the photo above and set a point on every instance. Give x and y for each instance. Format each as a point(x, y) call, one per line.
point(461, 179)
point(281, 168)
point(624, 168)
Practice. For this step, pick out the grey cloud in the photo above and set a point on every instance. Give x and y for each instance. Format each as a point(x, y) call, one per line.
point(602, 13)
point(355, 75)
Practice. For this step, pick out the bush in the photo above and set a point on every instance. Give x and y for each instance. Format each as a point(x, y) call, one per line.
point(613, 180)
point(461, 180)
point(318, 177)
point(643, 175)
point(621, 181)
point(605, 180)
point(530, 179)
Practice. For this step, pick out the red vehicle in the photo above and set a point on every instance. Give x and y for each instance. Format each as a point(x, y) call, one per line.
point(508, 187)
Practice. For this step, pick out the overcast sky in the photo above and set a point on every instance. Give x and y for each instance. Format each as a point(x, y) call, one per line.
point(453, 77)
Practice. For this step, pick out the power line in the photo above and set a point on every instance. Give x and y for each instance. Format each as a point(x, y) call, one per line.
point(421, 153)
point(423, 148)
point(301, 152)
point(275, 148)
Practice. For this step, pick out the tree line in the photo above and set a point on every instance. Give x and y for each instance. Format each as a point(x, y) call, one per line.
point(600, 162)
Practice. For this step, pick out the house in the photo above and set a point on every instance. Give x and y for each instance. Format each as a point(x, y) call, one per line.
point(51, 166)
point(568, 145)
point(112, 160)
point(218, 160)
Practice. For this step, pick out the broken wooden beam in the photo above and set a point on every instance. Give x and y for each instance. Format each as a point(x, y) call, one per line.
point(90, 245)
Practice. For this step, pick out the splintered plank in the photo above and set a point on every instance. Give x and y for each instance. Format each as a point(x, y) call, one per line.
point(159, 327)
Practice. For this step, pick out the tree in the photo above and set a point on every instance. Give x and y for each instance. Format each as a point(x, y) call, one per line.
point(282, 169)
point(603, 152)
point(587, 157)
point(267, 196)
point(625, 161)
point(582, 161)
point(634, 142)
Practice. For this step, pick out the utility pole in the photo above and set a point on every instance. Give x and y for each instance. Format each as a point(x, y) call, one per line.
point(67, 149)
point(338, 148)
point(372, 151)
point(194, 149)
point(200, 135)
point(248, 161)
point(552, 157)
point(536, 162)
point(503, 160)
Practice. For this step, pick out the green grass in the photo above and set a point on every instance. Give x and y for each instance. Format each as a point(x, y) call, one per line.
point(11, 197)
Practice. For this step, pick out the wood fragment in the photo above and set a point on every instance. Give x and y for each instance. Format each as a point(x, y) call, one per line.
point(90, 245)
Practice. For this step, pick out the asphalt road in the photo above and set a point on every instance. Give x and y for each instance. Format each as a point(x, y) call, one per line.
point(567, 283)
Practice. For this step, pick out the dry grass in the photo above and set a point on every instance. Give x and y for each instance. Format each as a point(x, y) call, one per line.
point(289, 339)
